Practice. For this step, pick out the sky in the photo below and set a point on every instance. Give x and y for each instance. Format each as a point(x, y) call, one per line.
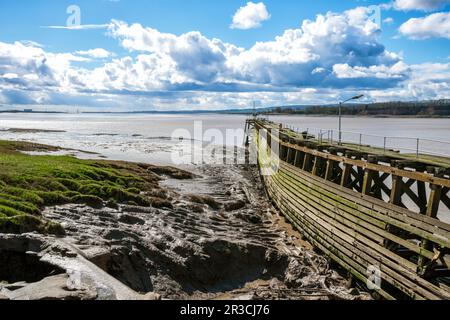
point(122, 55)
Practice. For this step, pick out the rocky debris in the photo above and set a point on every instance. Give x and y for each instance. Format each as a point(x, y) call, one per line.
point(234, 205)
point(53, 288)
point(61, 272)
point(211, 245)
point(152, 296)
point(171, 172)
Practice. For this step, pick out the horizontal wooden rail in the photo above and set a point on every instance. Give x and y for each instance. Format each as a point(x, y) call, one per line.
point(354, 226)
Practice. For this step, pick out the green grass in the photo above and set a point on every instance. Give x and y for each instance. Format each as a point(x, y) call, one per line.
point(30, 183)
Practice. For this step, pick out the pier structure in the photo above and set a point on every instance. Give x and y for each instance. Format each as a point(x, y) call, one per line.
point(378, 214)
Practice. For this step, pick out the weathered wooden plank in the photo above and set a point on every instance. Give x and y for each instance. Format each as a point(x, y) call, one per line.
point(420, 176)
point(432, 210)
point(379, 258)
point(388, 212)
point(351, 251)
point(350, 226)
point(357, 217)
point(344, 261)
point(352, 233)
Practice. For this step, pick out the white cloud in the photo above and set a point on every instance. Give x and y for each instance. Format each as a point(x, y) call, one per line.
point(98, 53)
point(289, 60)
point(388, 20)
point(423, 5)
point(332, 55)
point(10, 76)
point(251, 16)
point(436, 25)
point(79, 27)
point(426, 81)
point(397, 71)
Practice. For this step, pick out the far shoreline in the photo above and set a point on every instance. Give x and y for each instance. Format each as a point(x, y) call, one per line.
point(183, 113)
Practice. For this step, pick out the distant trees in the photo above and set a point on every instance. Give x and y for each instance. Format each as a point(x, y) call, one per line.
point(395, 108)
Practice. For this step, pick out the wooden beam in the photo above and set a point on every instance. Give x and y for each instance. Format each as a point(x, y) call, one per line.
point(307, 161)
point(330, 170)
point(315, 166)
point(346, 175)
point(425, 177)
point(368, 178)
point(432, 211)
point(444, 197)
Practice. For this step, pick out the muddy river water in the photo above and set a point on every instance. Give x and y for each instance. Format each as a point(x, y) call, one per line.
point(222, 239)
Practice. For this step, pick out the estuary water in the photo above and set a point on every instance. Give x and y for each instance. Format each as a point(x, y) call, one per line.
point(183, 140)
point(155, 137)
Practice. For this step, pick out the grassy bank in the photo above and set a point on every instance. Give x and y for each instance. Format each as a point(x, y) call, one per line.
point(28, 183)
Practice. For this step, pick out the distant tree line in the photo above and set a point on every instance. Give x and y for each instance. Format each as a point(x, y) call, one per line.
point(396, 108)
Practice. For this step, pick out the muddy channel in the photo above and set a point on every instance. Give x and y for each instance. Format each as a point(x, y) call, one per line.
point(221, 240)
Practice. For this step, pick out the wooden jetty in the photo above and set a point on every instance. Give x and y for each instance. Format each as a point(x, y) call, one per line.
point(374, 213)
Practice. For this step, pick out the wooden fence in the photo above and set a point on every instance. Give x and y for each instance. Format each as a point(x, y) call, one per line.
point(340, 201)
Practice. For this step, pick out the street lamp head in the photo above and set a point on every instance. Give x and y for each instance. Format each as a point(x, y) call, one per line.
point(358, 97)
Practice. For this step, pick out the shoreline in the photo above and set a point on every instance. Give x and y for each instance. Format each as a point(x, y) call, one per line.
point(215, 235)
point(224, 113)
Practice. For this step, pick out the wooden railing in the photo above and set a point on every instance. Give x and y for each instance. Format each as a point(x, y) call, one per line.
point(353, 207)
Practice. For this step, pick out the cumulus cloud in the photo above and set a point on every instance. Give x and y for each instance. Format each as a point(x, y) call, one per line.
point(423, 5)
point(98, 53)
point(324, 58)
point(388, 20)
point(79, 27)
point(436, 25)
point(426, 81)
point(291, 59)
point(251, 16)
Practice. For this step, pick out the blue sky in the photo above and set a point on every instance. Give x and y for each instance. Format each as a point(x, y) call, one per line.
point(197, 54)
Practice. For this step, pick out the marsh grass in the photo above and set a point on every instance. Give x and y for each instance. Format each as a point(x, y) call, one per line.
point(30, 183)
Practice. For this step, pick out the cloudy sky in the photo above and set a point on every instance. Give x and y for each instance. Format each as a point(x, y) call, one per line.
point(198, 54)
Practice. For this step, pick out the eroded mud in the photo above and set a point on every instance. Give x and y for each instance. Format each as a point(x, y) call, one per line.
point(221, 240)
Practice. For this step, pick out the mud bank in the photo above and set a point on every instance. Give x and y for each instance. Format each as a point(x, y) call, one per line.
point(219, 239)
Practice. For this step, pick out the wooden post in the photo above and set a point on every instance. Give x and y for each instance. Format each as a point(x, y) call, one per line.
point(269, 139)
point(330, 169)
point(346, 174)
point(367, 182)
point(306, 161)
point(397, 190)
point(432, 211)
point(422, 194)
point(288, 152)
point(396, 199)
point(299, 158)
point(316, 166)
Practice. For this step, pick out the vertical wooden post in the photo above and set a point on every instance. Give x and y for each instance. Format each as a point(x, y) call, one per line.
point(306, 162)
point(269, 139)
point(288, 152)
point(396, 199)
point(346, 174)
point(422, 194)
point(298, 161)
point(292, 154)
point(367, 182)
point(329, 170)
point(296, 157)
point(397, 190)
point(432, 211)
point(315, 166)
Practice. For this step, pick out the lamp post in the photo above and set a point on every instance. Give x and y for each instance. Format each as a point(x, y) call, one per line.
point(340, 114)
